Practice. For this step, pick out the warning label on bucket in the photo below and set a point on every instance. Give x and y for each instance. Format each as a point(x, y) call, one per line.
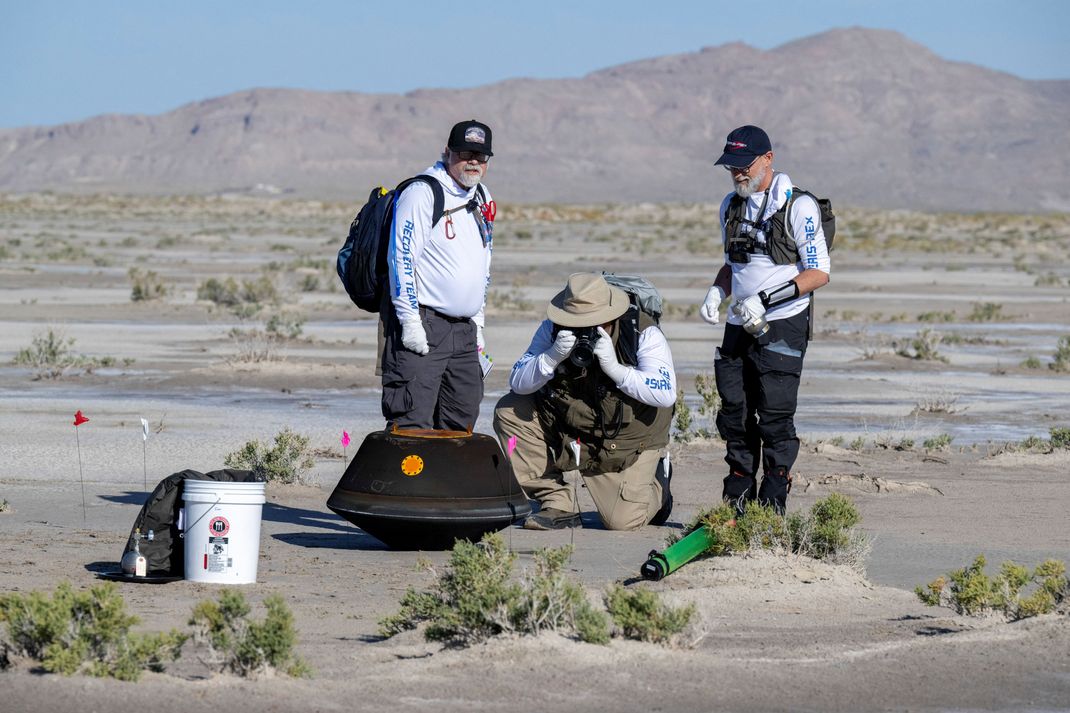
point(219, 526)
point(217, 557)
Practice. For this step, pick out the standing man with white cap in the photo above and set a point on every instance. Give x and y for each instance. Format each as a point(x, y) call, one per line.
point(594, 392)
point(439, 271)
point(775, 256)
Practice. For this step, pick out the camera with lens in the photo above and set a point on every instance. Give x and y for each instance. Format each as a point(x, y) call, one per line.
point(582, 354)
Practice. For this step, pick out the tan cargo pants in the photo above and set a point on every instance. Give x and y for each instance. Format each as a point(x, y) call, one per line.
point(625, 500)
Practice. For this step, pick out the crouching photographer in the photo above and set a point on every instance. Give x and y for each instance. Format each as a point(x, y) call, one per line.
point(594, 392)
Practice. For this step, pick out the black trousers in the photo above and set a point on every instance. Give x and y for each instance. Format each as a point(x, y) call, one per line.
point(758, 381)
point(441, 389)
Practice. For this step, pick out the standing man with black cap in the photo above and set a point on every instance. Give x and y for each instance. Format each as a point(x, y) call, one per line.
point(439, 271)
point(775, 255)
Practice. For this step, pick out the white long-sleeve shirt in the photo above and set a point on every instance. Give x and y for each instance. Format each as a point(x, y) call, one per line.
point(425, 266)
point(761, 273)
point(652, 382)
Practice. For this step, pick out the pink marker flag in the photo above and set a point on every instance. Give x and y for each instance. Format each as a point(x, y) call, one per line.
point(511, 446)
point(345, 439)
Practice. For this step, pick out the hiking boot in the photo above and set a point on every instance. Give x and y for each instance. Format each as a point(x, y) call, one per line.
point(552, 519)
point(663, 475)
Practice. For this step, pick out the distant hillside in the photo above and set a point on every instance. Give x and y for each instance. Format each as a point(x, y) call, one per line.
point(864, 116)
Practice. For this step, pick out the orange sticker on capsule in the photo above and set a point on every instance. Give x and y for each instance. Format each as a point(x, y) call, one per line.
point(412, 465)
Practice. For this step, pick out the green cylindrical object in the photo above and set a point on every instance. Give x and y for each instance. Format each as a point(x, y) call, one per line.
point(673, 558)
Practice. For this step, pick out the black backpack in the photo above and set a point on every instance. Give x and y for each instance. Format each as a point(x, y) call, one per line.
point(362, 258)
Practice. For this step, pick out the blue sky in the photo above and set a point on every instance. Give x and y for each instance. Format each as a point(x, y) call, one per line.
point(66, 60)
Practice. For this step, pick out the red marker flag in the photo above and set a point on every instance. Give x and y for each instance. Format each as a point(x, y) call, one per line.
point(345, 439)
point(79, 419)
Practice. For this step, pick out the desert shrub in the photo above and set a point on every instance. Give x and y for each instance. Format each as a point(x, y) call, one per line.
point(986, 312)
point(857, 444)
point(938, 443)
point(50, 355)
point(145, 285)
point(253, 346)
point(682, 419)
point(706, 386)
point(827, 531)
point(640, 614)
point(1031, 362)
point(220, 292)
point(244, 646)
point(548, 600)
point(5, 506)
point(971, 592)
point(285, 325)
point(1060, 437)
point(938, 402)
point(475, 599)
point(228, 293)
point(310, 283)
point(261, 290)
point(88, 631)
point(922, 347)
point(1061, 362)
point(936, 317)
point(288, 461)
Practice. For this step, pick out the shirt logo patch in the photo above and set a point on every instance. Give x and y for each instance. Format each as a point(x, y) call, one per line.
point(475, 135)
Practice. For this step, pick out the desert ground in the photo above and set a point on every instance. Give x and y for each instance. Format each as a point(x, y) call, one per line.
point(931, 387)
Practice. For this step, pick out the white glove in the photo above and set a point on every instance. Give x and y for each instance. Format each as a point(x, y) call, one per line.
point(561, 347)
point(480, 341)
point(607, 358)
point(711, 307)
point(750, 310)
point(413, 336)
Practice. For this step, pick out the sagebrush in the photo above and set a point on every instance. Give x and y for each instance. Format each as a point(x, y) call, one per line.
point(971, 592)
point(87, 631)
point(476, 598)
point(246, 646)
point(288, 461)
point(827, 531)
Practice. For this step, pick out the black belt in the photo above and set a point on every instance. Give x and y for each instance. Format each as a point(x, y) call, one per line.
point(448, 318)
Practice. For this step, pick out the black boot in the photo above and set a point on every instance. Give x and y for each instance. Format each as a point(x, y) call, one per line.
point(738, 489)
point(776, 484)
point(663, 475)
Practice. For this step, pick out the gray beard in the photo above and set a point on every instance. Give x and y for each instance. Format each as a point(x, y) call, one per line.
point(746, 190)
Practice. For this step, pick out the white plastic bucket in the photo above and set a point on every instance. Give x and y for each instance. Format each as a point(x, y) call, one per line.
point(222, 530)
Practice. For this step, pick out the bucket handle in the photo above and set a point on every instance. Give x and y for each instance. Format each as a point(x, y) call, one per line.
point(182, 535)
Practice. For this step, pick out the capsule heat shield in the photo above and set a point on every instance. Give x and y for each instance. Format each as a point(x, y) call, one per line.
point(424, 489)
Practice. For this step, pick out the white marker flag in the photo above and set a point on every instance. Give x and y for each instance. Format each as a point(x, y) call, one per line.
point(144, 430)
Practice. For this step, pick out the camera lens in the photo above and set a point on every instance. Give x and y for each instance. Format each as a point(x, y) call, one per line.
point(583, 353)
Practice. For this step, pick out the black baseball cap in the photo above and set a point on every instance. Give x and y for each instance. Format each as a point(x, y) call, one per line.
point(470, 135)
point(744, 145)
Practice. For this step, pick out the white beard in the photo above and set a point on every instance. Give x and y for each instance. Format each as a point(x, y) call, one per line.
point(470, 180)
point(745, 189)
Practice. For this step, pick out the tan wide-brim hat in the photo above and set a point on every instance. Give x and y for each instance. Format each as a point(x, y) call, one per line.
point(588, 301)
